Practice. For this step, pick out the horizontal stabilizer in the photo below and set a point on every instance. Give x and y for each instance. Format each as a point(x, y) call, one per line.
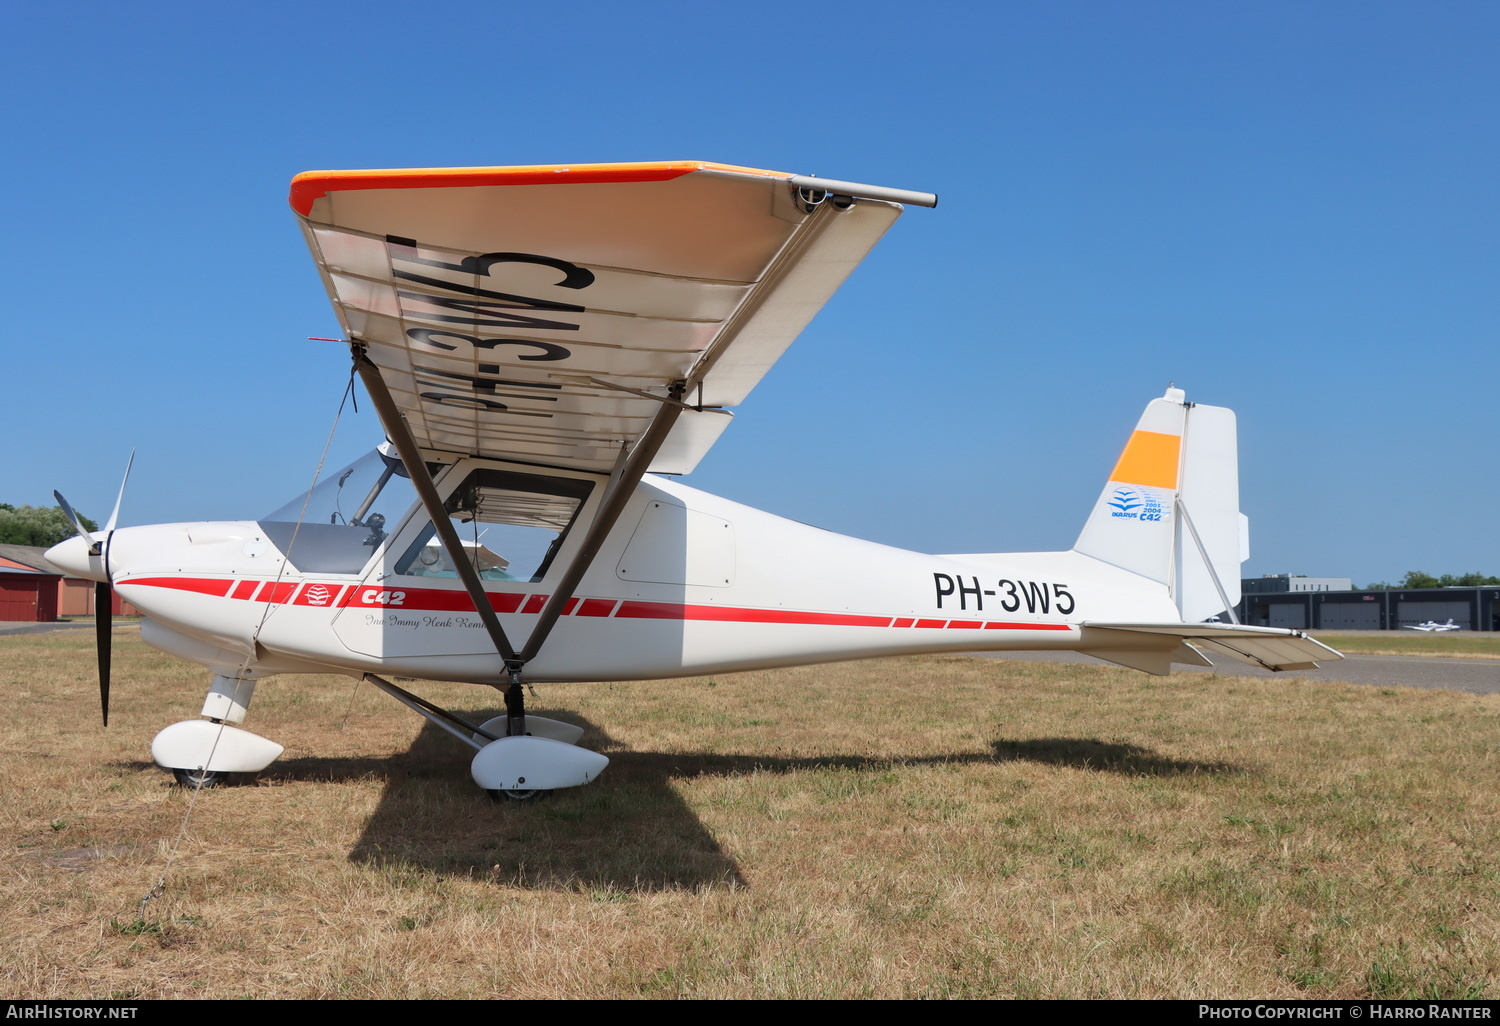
point(1147, 660)
point(1274, 648)
point(1152, 657)
point(1186, 653)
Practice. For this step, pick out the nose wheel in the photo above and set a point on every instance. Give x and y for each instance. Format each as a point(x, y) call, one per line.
point(206, 753)
point(533, 795)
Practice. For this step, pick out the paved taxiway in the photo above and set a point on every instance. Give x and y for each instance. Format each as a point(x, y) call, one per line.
point(1477, 676)
point(9, 627)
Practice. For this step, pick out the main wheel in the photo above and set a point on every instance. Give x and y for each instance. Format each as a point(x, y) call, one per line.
point(194, 779)
point(532, 795)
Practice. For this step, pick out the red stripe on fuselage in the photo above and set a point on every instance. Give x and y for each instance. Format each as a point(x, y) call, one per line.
point(202, 585)
point(426, 599)
point(1026, 627)
point(318, 595)
point(450, 600)
point(680, 611)
point(276, 592)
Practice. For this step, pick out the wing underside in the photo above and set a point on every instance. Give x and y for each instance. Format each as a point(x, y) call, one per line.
point(544, 314)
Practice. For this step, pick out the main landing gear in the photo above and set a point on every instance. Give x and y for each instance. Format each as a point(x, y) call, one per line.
point(514, 724)
point(518, 757)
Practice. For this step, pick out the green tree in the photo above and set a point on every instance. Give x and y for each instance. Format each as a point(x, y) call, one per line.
point(1419, 579)
point(44, 526)
point(1473, 580)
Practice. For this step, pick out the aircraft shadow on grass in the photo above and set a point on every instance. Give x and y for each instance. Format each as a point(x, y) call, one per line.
point(630, 832)
point(1087, 753)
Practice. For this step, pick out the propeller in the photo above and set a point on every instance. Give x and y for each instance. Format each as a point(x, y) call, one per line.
point(104, 591)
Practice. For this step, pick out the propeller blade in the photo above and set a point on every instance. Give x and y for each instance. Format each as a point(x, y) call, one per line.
point(104, 602)
point(115, 513)
point(104, 592)
point(72, 517)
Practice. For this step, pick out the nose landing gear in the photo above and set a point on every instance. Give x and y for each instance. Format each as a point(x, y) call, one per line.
point(203, 753)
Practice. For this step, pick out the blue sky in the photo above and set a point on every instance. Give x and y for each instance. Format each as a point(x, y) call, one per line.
point(1289, 209)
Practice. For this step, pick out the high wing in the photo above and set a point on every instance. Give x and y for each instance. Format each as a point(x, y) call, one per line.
point(544, 314)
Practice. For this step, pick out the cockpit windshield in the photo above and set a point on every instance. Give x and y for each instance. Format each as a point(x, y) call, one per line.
point(339, 525)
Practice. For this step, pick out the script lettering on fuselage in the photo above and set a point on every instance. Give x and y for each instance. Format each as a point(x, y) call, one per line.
point(1009, 595)
point(475, 309)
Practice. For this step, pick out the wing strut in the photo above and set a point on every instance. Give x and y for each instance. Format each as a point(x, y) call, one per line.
point(456, 725)
point(621, 488)
point(627, 475)
point(399, 432)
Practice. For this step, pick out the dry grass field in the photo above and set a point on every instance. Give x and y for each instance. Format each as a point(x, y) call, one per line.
point(928, 827)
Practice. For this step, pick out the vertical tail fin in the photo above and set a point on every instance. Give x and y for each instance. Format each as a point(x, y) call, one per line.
point(1170, 511)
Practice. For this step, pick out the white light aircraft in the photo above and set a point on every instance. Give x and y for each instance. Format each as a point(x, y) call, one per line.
point(1434, 626)
point(541, 344)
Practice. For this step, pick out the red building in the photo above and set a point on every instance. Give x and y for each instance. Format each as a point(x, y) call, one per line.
point(27, 593)
point(33, 590)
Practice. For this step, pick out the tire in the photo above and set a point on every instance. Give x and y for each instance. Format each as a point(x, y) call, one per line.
point(194, 780)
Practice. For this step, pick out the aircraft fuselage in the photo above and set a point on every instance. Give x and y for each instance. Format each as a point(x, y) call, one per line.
point(686, 583)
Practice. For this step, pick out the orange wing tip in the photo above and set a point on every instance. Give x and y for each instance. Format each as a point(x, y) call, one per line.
point(1150, 459)
point(311, 186)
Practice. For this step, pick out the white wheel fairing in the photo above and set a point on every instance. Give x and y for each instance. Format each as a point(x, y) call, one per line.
point(534, 764)
point(215, 747)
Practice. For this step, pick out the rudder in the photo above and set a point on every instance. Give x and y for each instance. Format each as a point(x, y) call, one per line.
point(1170, 510)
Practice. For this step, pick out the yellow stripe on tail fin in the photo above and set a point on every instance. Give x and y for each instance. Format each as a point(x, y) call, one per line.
point(1170, 511)
point(1150, 458)
point(1132, 523)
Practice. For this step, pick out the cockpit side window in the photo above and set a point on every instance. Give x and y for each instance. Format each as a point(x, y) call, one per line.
point(509, 524)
